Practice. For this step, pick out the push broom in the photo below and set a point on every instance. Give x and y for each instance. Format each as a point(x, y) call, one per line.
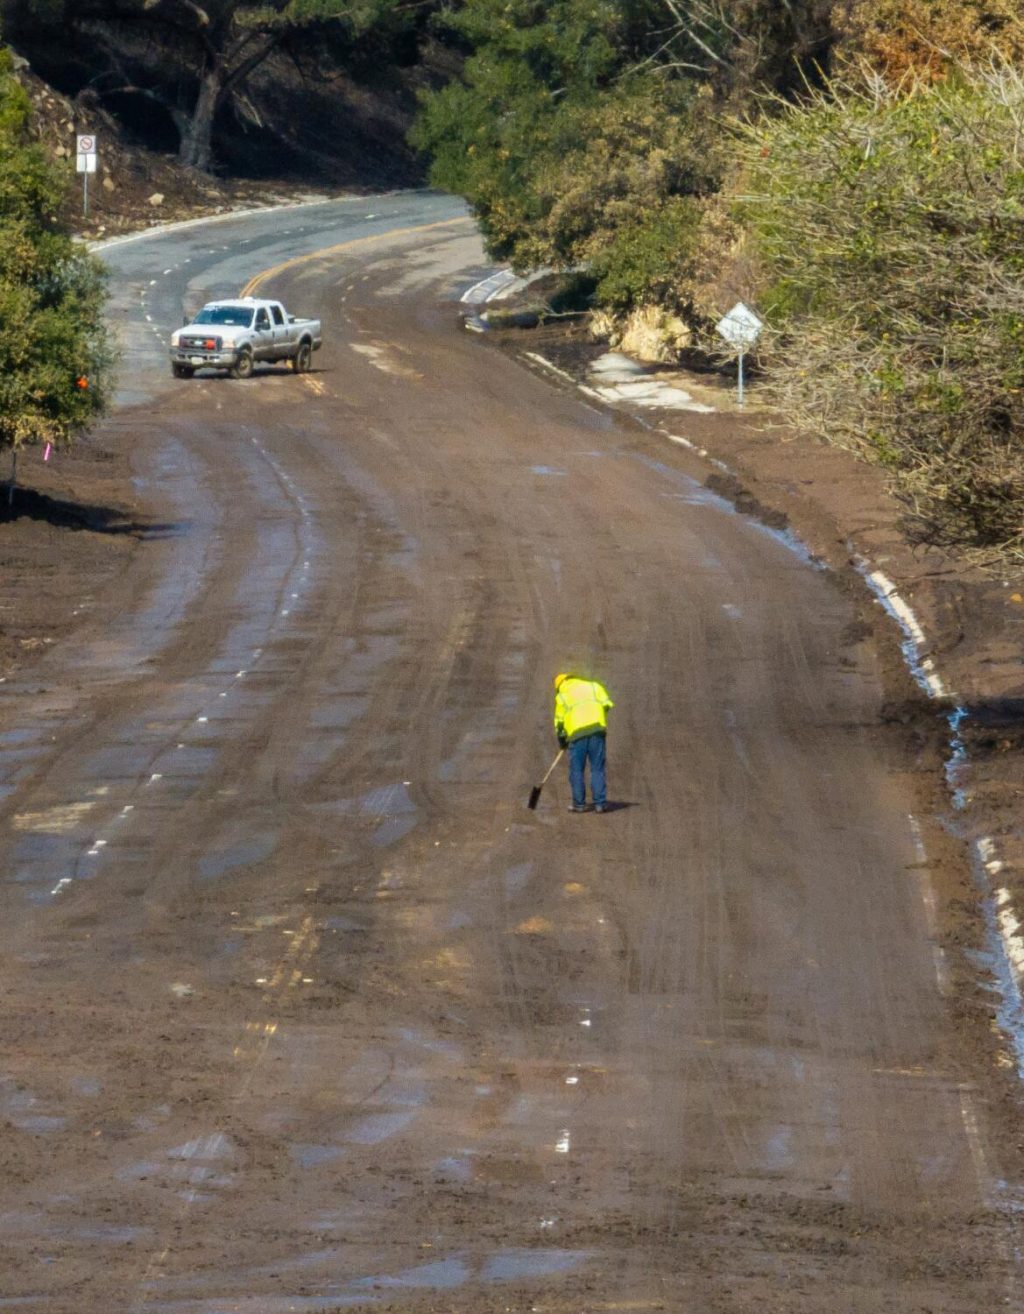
point(535, 791)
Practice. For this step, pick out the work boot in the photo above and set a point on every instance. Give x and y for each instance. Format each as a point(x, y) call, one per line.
point(578, 807)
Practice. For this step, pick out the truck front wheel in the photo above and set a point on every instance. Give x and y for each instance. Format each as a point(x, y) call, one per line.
point(242, 368)
point(181, 371)
point(303, 358)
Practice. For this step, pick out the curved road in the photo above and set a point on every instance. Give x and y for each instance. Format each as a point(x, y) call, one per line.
point(302, 1009)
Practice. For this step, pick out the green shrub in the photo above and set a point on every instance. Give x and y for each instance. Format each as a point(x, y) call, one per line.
point(648, 260)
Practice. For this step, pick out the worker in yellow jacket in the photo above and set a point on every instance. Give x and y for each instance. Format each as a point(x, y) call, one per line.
point(581, 723)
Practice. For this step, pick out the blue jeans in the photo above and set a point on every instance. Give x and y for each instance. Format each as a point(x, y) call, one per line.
point(580, 750)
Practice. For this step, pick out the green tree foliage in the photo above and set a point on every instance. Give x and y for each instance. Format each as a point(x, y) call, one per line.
point(579, 127)
point(553, 135)
point(888, 228)
point(649, 259)
point(515, 111)
point(51, 294)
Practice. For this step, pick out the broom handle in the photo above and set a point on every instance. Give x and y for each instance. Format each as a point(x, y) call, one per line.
point(552, 766)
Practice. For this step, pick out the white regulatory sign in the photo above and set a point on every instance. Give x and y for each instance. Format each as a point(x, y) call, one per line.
point(740, 327)
point(86, 149)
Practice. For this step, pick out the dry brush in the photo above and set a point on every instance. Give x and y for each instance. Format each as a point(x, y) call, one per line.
point(888, 224)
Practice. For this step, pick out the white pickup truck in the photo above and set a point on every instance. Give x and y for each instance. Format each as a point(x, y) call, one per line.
point(235, 335)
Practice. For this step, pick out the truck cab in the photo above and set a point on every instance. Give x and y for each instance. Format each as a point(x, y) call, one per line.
point(234, 335)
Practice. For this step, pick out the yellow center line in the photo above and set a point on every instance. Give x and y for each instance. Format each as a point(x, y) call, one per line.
point(287, 975)
point(258, 280)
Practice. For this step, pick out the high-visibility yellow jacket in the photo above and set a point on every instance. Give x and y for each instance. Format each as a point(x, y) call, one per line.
point(581, 708)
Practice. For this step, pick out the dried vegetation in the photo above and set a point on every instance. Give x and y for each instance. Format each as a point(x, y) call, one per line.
point(888, 224)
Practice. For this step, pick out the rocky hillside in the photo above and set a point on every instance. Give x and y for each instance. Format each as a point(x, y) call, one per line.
point(344, 138)
point(134, 186)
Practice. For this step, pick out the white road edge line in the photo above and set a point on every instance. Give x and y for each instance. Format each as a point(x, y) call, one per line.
point(1006, 922)
point(969, 1118)
point(544, 363)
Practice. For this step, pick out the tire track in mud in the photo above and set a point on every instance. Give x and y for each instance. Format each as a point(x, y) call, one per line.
point(78, 911)
point(209, 651)
point(257, 1034)
point(262, 1034)
point(182, 700)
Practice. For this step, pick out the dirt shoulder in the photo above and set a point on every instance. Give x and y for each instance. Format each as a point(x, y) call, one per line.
point(69, 533)
point(66, 535)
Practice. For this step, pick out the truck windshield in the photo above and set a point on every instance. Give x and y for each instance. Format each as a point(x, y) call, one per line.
point(234, 316)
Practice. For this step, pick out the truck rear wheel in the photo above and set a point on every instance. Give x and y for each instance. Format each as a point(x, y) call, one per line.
point(242, 368)
point(303, 358)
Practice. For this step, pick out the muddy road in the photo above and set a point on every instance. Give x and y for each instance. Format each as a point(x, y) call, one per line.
point(304, 1011)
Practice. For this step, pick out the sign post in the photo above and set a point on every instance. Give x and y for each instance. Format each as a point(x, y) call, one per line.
point(740, 328)
point(86, 154)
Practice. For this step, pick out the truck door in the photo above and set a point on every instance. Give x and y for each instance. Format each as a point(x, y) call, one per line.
point(282, 333)
point(263, 336)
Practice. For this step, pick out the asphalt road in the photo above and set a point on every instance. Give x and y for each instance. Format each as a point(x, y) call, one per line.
point(304, 1011)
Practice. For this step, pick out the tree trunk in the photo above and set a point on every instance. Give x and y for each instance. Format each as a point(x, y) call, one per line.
point(196, 151)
